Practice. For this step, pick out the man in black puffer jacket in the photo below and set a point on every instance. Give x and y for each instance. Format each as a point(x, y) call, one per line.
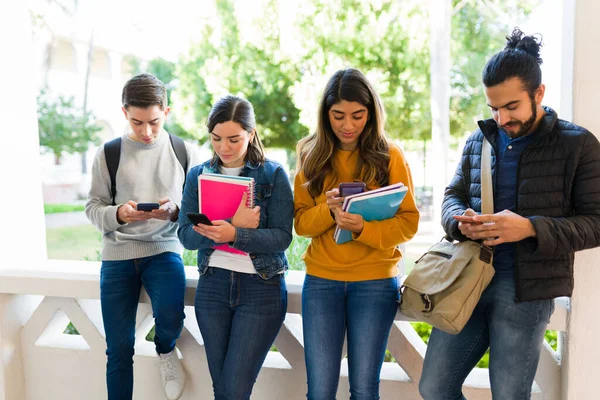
point(546, 181)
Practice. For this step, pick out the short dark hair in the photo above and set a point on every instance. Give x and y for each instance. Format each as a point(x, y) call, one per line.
point(239, 110)
point(144, 91)
point(520, 58)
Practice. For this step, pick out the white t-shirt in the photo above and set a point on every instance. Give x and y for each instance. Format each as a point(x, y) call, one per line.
point(225, 260)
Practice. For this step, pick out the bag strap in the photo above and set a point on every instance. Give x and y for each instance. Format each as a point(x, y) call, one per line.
point(487, 198)
point(181, 153)
point(112, 153)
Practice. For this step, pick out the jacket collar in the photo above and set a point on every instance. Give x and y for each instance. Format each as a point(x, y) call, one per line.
point(489, 128)
point(213, 167)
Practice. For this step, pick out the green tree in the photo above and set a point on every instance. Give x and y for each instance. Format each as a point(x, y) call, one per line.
point(380, 40)
point(224, 62)
point(478, 31)
point(64, 127)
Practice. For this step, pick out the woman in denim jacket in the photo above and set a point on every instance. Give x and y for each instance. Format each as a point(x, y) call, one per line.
point(241, 300)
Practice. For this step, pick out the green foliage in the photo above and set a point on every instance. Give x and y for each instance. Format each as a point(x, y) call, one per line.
point(478, 31)
point(224, 62)
point(63, 127)
point(190, 257)
point(295, 252)
point(60, 208)
point(71, 330)
point(380, 41)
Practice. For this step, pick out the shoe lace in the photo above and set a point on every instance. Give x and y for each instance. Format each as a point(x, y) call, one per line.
point(168, 368)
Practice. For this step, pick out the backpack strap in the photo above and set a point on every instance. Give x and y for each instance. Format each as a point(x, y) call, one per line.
point(112, 153)
point(181, 153)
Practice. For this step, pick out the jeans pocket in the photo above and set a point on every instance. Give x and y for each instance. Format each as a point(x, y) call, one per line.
point(274, 281)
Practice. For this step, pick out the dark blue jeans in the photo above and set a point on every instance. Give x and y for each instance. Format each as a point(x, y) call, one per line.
point(163, 278)
point(239, 316)
point(514, 332)
point(365, 311)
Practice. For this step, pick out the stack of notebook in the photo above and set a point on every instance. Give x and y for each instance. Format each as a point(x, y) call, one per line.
point(219, 197)
point(374, 205)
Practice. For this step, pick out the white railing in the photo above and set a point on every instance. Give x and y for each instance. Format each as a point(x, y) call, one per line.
point(36, 304)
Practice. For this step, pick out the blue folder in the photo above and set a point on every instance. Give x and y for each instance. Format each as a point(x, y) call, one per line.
point(374, 205)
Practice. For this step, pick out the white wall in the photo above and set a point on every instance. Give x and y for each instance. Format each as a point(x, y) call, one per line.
point(583, 353)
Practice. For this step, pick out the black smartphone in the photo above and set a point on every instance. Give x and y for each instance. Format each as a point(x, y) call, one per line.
point(147, 206)
point(350, 188)
point(198, 218)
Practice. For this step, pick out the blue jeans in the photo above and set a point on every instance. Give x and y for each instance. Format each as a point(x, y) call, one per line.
point(514, 332)
point(239, 316)
point(364, 310)
point(163, 278)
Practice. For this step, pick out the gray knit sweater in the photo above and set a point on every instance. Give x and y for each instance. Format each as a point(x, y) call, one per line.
point(147, 173)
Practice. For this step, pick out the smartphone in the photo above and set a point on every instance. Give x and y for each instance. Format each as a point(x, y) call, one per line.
point(198, 218)
point(465, 218)
point(350, 188)
point(147, 206)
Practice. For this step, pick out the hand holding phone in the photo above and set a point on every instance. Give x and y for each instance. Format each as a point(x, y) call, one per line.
point(147, 206)
point(466, 218)
point(350, 188)
point(198, 218)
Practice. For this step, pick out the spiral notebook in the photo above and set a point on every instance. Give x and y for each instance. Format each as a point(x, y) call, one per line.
point(374, 205)
point(219, 197)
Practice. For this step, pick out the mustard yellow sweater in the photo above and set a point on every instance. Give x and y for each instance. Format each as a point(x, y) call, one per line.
point(373, 253)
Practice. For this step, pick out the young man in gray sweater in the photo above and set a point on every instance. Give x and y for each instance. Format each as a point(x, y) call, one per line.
point(141, 247)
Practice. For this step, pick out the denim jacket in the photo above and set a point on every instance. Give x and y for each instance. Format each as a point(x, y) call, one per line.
point(266, 244)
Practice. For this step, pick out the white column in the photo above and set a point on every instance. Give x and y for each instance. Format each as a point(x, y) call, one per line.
point(24, 238)
point(581, 363)
point(440, 13)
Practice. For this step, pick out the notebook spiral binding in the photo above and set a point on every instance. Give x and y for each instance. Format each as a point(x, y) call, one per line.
point(251, 201)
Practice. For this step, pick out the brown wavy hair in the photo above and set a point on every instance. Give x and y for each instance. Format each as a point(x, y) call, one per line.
point(315, 152)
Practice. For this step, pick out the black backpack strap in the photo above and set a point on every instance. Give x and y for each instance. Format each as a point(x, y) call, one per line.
point(181, 153)
point(112, 153)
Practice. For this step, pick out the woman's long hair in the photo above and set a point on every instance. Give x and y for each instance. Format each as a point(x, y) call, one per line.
point(236, 109)
point(315, 152)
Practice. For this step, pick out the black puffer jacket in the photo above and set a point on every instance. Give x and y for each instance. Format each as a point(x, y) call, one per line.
point(558, 189)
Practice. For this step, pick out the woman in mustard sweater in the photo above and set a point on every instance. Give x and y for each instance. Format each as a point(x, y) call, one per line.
point(350, 288)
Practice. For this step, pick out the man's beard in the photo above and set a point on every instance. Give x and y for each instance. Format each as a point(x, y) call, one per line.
point(525, 126)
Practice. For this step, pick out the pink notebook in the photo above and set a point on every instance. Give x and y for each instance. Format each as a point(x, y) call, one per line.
point(219, 197)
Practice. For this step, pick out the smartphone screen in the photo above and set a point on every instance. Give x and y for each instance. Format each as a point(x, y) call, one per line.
point(147, 206)
point(350, 188)
point(198, 218)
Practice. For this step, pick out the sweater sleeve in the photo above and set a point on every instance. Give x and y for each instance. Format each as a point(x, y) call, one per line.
point(403, 226)
point(98, 208)
point(310, 219)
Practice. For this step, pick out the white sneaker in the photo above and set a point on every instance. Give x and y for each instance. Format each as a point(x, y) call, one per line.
point(173, 375)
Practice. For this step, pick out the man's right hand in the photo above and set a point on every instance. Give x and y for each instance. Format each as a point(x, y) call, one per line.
point(246, 217)
point(127, 213)
point(464, 226)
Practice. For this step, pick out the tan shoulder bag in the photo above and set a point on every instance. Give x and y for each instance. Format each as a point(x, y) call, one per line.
point(447, 281)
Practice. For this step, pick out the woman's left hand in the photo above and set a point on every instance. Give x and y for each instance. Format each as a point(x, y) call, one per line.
point(220, 232)
point(350, 222)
